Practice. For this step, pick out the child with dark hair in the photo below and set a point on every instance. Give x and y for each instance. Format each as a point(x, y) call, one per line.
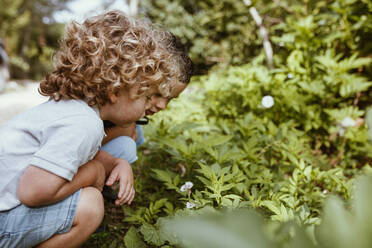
point(122, 141)
point(108, 68)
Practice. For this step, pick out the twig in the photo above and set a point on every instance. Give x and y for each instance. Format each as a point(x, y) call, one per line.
point(263, 33)
point(133, 7)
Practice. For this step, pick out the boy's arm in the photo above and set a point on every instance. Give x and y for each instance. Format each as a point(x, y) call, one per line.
point(39, 187)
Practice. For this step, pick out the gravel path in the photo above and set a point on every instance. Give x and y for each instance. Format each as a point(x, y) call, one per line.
point(18, 98)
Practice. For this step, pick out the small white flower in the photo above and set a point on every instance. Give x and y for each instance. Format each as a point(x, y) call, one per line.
point(325, 192)
point(183, 188)
point(347, 122)
point(322, 22)
point(190, 205)
point(341, 131)
point(189, 185)
point(290, 75)
point(267, 101)
point(281, 44)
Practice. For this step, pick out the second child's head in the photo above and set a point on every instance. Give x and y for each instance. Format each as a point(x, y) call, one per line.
point(110, 59)
point(183, 64)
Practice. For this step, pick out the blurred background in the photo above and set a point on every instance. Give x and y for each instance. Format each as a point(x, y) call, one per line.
point(31, 29)
point(217, 32)
point(274, 119)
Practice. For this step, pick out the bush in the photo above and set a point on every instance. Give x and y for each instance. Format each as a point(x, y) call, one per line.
point(246, 137)
point(341, 227)
point(224, 33)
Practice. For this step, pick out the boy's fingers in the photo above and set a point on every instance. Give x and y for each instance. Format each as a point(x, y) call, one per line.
point(126, 197)
point(122, 189)
point(130, 196)
point(112, 178)
point(133, 192)
point(120, 201)
point(126, 192)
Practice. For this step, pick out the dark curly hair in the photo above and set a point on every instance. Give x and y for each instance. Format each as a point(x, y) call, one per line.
point(107, 53)
point(179, 55)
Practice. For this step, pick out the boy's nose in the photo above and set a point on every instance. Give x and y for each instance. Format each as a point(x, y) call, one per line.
point(161, 103)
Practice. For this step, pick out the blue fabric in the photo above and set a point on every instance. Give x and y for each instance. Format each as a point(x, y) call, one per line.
point(125, 147)
point(122, 147)
point(140, 137)
point(24, 227)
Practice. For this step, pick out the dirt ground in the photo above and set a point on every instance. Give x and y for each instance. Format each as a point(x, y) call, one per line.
point(17, 97)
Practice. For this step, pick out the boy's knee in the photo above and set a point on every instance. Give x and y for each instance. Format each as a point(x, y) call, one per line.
point(90, 209)
point(122, 147)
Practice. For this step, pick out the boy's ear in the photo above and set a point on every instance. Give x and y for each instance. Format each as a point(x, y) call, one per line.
point(113, 97)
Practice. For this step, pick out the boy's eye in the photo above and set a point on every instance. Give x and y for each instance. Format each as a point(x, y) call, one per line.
point(157, 95)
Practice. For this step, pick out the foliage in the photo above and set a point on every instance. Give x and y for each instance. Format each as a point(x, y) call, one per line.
point(223, 32)
point(340, 228)
point(252, 160)
point(30, 35)
point(280, 160)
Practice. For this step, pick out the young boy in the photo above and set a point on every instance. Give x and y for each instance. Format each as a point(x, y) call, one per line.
point(51, 174)
point(122, 142)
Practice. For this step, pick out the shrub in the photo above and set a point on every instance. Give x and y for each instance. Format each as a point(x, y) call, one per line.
point(273, 141)
point(224, 33)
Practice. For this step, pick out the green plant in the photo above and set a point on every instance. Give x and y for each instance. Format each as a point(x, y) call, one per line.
point(341, 227)
point(277, 142)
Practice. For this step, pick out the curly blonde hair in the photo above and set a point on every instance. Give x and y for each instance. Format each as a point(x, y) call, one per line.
point(107, 53)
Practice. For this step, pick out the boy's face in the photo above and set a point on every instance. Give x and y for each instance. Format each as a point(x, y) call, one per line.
point(124, 109)
point(158, 102)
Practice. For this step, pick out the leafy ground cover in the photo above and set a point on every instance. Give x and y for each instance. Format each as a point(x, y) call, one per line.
point(278, 142)
point(243, 155)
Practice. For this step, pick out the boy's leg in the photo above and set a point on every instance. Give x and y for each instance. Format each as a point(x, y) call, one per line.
point(140, 137)
point(89, 215)
point(24, 227)
point(125, 147)
point(122, 147)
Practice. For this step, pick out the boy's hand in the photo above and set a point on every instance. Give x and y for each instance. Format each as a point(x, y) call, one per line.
point(122, 172)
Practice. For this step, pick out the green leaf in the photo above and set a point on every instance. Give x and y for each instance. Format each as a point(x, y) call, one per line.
point(272, 206)
point(151, 234)
point(133, 240)
point(369, 122)
point(217, 140)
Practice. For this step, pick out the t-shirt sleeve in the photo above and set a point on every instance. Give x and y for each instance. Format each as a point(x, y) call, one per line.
point(67, 144)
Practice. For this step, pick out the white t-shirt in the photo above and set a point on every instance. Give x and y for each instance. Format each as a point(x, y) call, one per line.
point(56, 136)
